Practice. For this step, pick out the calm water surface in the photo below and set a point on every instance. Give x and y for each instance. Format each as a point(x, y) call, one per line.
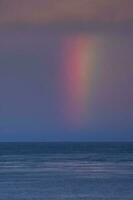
point(66, 171)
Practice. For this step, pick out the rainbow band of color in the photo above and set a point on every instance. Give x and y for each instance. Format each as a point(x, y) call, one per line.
point(78, 66)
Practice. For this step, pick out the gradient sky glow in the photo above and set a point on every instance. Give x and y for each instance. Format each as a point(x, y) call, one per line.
point(61, 78)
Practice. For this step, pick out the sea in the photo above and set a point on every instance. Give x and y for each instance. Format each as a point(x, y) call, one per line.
point(66, 171)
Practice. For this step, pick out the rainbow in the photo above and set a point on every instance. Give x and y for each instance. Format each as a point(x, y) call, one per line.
point(78, 63)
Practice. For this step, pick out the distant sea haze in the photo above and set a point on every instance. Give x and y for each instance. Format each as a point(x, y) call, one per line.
point(62, 171)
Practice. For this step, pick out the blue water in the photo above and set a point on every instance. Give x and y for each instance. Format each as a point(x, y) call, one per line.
point(66, 171)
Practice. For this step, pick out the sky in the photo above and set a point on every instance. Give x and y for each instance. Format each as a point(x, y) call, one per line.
point(50, 11)
point(66, 70)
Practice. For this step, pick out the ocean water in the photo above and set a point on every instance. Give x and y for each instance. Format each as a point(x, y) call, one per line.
point(66, 171)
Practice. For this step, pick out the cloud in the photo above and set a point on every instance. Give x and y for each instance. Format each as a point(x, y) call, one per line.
point(55, 11)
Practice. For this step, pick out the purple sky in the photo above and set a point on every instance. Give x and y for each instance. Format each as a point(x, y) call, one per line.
point(30, 79)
